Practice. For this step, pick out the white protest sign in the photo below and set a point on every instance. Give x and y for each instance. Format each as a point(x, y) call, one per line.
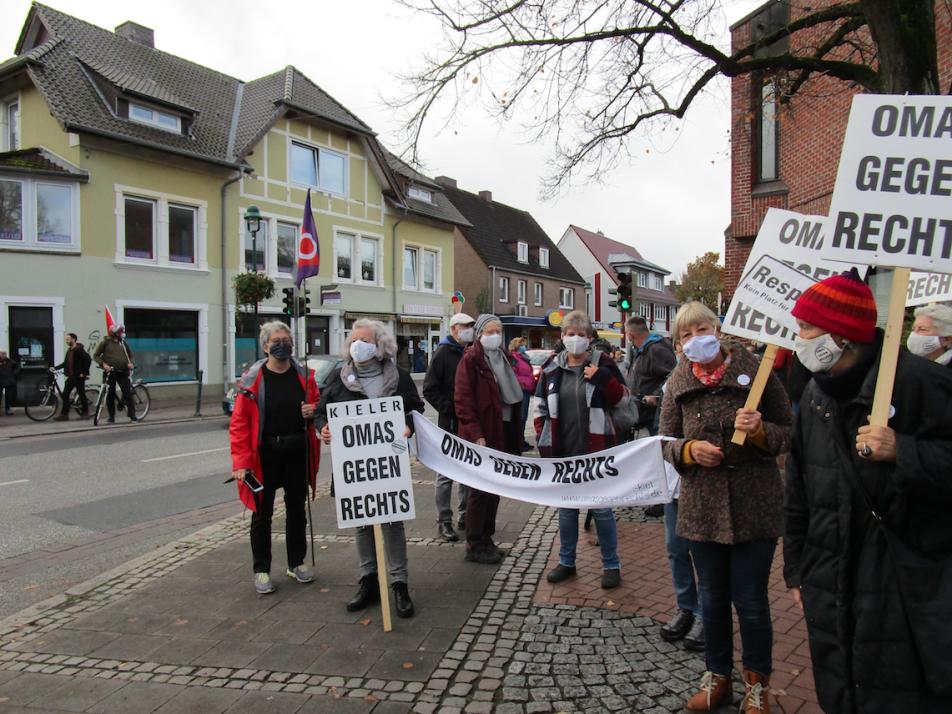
point(928, 287)
point(370, 462)
point(763, 299)
point(892, 204)
point(632, 474)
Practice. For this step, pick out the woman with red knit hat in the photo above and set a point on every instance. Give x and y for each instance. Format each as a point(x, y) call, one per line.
point(861, 502)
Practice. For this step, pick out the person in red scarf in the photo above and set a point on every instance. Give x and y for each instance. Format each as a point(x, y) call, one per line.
point(273, 439)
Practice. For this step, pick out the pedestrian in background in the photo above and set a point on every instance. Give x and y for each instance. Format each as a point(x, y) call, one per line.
point(76, 368)
point(114, 356)
point(488, 402)
point(273, 439)
point(730, 505)
point(867, 543)
point(651, 362)
point(370, 371)
point(9, 376)
point(520, 363)
point(931, 335)
point(439, 389)
point(574, 399)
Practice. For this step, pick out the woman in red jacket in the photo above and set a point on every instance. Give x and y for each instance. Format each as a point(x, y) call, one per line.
point(488, 403)
point(520, 363)
point(273, 440)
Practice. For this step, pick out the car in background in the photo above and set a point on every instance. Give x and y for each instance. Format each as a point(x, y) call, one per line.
point(537, 358)
point(322, 366)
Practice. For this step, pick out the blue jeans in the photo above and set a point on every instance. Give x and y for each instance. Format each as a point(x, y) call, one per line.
point(607, 536)
point(679, 558)
point(735, 573)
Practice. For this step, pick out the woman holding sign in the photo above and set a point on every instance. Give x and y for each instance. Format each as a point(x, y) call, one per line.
point(488, 405)
point(730, 506)
point(370, 372)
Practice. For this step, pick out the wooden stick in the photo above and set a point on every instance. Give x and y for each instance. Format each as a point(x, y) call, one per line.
point(890, 355)
point(757, 388)
point(382, 578)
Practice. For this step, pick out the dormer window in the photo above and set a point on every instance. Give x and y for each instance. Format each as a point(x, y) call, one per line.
point(155, 117)
point(420, 194)
point(522, 252)
point(543, 257)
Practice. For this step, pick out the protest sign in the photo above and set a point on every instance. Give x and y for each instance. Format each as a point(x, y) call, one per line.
point(631, 474)
point(925, 288)
point(891, 202)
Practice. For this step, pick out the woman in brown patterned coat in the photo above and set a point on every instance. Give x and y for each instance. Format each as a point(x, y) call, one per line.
point(731, 498)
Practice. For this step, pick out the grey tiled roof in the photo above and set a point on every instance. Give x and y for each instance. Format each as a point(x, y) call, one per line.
point(440, 208)
point(39, 162)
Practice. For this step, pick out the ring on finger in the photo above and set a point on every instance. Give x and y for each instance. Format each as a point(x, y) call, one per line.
point(865, 452)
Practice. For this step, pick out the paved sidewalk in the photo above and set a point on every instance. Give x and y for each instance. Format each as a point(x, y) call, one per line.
point(180, 630)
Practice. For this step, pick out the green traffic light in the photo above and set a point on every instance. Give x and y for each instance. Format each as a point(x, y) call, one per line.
point(624, 305)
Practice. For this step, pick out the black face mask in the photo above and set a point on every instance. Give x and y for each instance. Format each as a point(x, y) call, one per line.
point(281, 351)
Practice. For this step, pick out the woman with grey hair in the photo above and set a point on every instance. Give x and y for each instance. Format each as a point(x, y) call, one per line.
point(488, 406)
point(931, 335)
point(274, 443)
point(576, 390)
point(370, 372)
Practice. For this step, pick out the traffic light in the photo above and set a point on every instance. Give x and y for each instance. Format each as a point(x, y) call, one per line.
point(624, 292)
point(303, 304)
point(288, 301)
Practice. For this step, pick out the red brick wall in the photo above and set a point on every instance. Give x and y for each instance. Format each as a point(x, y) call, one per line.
point(470, 274)
point(811, 129)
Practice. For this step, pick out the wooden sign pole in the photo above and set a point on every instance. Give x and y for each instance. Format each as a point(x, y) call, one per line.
point(757, 388)
point(382, 578)
point(889, 356)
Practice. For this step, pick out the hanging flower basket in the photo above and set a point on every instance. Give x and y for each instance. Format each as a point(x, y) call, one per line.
point(251, 288)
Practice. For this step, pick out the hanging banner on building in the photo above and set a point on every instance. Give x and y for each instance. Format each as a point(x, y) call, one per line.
point(891, 203)
point(632, 474)
point(763, 299)
point(370, 462)
point(928, 287)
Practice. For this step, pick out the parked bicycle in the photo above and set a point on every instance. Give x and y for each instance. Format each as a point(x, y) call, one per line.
point(140, 394)
point(47, 401)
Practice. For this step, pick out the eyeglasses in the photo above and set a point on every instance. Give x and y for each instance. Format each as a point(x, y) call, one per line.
point(278, 343)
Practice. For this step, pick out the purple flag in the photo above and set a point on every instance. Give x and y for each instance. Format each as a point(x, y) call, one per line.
point(308, 247)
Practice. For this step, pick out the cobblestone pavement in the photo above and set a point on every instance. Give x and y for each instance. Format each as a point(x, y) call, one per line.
point(180, 631)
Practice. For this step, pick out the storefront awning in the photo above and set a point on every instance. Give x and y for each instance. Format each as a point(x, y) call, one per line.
point(516, 320)
point(382, 316)
point(609, 334)
point(417, 320)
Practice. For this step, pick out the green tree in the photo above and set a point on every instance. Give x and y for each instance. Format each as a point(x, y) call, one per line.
point(702, 280)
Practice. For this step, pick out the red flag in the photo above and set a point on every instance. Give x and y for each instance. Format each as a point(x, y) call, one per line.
point(110, 320)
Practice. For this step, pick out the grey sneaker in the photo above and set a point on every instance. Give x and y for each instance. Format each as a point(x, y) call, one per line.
point(263, 584)
point(302, 574)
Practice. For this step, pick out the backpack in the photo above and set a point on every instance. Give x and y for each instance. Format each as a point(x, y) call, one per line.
point(624, 415)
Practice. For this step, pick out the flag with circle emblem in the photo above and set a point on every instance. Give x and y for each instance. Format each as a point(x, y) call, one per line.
point(308, 248)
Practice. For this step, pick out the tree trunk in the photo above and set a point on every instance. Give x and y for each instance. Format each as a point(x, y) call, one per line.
point(904, 32)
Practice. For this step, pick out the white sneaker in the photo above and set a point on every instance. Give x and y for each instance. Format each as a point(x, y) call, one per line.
point(263, 584)
point(302, 574)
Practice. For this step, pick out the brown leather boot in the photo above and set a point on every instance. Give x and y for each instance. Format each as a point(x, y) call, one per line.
point(715, 690)
point(756, 690)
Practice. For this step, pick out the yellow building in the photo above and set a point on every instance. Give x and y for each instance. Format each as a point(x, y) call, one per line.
point(125, 174)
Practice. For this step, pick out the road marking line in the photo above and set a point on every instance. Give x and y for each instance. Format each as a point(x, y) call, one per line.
point(11, 483)
point(179, 456)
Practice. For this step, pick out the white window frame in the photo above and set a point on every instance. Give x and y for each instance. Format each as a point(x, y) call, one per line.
point(436, 270)
point(522, 252)
point(521, 290)
point(317, 151)
point(657, 282)
point(566, 304)
point(5, 128)
point(644, 309)
point(420, 194)
point(421, 252)
point(28, 215)
point(356, 239)
point(503, 289)
point(660, 312)
point(537, 293)
point(297, 232)
point(642, 279)
point(543, 257)
point(160, 230)
point(155, 123)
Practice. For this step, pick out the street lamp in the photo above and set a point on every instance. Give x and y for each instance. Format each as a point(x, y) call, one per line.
point(253, 224)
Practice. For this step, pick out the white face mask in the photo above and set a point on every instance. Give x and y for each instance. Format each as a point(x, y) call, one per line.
point(491, 342)
point(922, 345)
point(818, 354)
point(362, 351)
point(702, 348)
point(465, 336)
point(575, 344)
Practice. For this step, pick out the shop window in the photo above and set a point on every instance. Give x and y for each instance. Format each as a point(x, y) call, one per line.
point(164, 343)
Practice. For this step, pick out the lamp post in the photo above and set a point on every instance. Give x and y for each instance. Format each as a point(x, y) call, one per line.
point(253, 224)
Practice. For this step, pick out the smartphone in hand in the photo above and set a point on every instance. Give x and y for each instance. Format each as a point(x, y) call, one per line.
point(253, 483)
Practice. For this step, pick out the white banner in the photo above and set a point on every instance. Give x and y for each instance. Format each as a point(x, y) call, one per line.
point(632, 474)
point(928, 287)
point(763, 299)
point(891, 201)
point(370, 462)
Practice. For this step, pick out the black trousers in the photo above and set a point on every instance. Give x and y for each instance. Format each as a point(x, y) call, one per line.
point(120, 379)
point(8, 393)
point(80, 386)
point(481, 510)
point(280, 471)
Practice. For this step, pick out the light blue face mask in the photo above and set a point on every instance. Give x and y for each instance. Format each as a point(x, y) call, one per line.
point(522, 348)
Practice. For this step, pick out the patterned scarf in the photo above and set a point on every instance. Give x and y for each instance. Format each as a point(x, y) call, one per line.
point(711, 379)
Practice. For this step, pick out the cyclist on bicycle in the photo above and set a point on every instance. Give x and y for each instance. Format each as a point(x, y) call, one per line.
point(115, 358)
point(76, 368)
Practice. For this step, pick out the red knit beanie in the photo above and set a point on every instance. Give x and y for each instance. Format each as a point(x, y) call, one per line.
point(842, 305)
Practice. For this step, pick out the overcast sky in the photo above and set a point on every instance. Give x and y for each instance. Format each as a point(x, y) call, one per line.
point(671, 202)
